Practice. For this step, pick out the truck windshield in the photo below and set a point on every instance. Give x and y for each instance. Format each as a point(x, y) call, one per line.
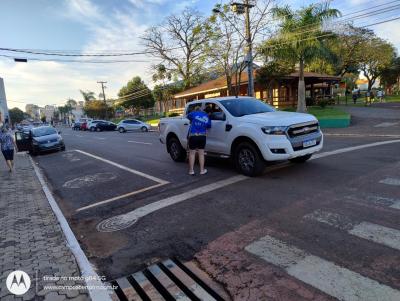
point(240, 107)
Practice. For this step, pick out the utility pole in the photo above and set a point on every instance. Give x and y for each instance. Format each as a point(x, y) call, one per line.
point(240, 8)
point(104, 95)
point(102, 88)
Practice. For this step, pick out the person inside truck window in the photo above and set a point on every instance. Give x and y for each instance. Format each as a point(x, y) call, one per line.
point(199, 122)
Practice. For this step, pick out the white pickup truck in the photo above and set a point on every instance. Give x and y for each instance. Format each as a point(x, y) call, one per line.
point(248, 131)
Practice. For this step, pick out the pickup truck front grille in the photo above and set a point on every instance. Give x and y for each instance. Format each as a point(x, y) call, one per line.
point(301, 129)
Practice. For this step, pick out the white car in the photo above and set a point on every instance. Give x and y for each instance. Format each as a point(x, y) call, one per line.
point(247, 130)
point(132, 125)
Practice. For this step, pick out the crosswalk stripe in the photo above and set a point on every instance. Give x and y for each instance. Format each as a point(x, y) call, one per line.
point(369, 231)
point(324, 275)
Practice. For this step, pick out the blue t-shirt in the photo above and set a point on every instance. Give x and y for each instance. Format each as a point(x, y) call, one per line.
point(6, 141)
point(199, 122)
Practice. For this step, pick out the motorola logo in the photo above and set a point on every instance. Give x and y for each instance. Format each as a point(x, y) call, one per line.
point(18, 282)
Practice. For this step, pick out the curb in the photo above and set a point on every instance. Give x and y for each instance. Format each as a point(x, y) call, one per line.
point(87, 271)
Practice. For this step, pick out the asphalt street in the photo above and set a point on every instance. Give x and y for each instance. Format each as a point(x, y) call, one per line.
point(215, 219)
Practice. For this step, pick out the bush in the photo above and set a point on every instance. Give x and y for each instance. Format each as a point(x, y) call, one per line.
point(323, 102)
point(174, 114)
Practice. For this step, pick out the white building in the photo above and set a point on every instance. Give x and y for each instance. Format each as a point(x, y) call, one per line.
point(48, 112)
point(77, 112)
point(4, 116)
point(33, 111)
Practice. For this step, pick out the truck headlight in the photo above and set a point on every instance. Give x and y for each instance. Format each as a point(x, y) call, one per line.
point(274, 130)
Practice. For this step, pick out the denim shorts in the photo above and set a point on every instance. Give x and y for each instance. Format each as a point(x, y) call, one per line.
point(8, 154)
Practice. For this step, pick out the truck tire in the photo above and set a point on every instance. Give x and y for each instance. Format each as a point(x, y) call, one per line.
point(175, 150)
point(248, 159)
point(301, 159)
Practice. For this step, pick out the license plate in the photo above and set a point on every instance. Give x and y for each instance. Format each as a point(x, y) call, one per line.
point(309, 143)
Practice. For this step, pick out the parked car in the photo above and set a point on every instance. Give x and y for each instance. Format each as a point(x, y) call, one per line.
point(76, 126)
point(83, 126)
point(39, 139)
point(247, 130)
point(102, 125)
point(91, 126)
point(132, 125)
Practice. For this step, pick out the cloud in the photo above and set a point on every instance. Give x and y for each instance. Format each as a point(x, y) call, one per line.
point(82, 10)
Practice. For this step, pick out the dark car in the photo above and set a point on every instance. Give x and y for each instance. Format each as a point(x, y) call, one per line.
point(40, 139)
point(76, 126)
point(101, 125)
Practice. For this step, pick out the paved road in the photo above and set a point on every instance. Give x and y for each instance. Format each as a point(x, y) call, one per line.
point(328, 208)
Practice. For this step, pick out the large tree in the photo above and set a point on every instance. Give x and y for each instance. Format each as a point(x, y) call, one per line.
point(16, 115)
point(391, 75)
point(87, 95)
point(179, 42)
point(135, 94)
point(98, 109)
point(300, 39)
point(376, 57)
point(226, 47)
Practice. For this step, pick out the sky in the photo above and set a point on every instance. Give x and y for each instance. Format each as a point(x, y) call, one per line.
point(106, 26)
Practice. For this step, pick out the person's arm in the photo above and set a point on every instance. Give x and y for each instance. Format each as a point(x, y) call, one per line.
point(208, 122)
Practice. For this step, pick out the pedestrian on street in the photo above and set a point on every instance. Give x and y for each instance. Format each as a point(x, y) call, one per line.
point(197, 136)
point(7, 147)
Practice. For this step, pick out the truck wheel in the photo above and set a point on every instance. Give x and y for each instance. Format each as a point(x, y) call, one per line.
point(175, 149)
point(301, 159)
point(248, 160)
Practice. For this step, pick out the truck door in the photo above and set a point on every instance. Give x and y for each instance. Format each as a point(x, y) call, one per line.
point(216, 135)
point(23, 141)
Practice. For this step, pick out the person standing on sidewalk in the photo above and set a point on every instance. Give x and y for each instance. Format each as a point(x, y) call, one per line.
point(199, 122)
point(7, 147)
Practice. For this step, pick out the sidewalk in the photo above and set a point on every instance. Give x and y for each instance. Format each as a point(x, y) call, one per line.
point(31, 239)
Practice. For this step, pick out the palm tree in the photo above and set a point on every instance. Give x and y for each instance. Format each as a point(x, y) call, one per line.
point(300, 39)
point(88, 95)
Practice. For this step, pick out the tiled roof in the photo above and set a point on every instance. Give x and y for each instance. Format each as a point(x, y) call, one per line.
point(220, 83)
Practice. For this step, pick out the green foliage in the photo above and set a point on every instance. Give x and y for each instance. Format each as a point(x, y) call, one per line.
point(16, 115)
point(98, 109)
point(274, 71)
point(294, 45)
point(138, 95)
point(391, 74)
point(87, 95)
point(43, 118)
point(173, 114)
point(376, 57)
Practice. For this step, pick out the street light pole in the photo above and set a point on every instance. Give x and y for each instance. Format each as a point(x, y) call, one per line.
point(104, 95)
point(250, 85)
point(241, 8)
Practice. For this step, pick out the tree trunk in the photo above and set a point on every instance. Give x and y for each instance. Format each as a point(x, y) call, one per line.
point(301, 91)
point(229, 85)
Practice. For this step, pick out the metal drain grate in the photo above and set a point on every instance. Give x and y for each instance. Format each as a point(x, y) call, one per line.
point(166, 281)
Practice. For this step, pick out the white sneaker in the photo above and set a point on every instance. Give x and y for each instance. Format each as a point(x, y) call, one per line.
point(191, 173)
point(203, 172)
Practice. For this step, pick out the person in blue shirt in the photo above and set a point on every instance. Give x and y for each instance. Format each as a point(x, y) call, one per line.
point(197, 136)
point(7, 147)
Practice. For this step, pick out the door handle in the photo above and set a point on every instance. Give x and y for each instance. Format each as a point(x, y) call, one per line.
point(228, 127)
point(186, 124)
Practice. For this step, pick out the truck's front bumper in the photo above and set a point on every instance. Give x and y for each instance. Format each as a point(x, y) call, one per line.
point(281, 147)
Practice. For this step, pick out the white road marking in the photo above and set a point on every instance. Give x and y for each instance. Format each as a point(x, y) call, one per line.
point(390, 181)
point(139, 142)
point(119, 197)
point(136, 172)
point(361, 135)
point(100, 138)
point(126, 220)
point(90, 180)
point(324, 275)
point(369, 231)
point(80, 136)
point(379, 201)
point(385, 124)
point(353, 148)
